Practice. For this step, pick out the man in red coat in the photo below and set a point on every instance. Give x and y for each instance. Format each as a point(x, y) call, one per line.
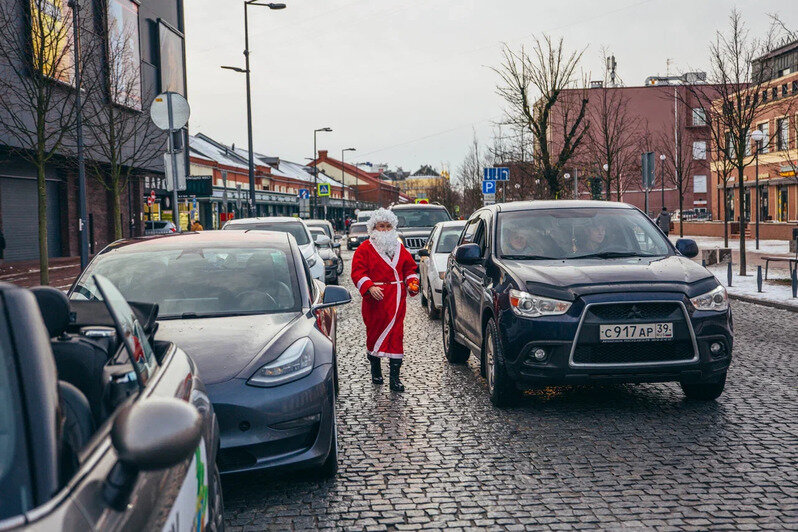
point(384, 273)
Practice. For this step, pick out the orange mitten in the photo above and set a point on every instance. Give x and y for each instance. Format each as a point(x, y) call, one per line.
point(412, 286)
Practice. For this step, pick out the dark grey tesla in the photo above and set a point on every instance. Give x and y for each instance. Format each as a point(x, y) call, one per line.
point(260, 328)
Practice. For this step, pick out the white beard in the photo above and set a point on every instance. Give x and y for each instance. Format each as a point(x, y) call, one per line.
point(384, 241)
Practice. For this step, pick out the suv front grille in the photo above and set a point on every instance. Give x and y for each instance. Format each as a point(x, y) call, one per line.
point(415, 242)
point(634, 352)
point(637, 311)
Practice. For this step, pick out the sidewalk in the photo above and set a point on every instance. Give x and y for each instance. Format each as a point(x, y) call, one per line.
point(769, 248)
point(63, 271)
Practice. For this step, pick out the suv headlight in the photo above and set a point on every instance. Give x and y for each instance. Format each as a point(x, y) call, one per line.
point(531, 306)
point(294, 363)
point(716, 299)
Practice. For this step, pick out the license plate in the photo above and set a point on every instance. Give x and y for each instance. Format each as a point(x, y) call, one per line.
point(635, 332)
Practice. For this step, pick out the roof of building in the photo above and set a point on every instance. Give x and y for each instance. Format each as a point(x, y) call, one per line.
point(206, 147)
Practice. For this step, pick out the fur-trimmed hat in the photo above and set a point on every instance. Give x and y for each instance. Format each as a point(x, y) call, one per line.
point(382, 215)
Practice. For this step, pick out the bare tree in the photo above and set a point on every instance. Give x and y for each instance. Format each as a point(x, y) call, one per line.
point(534, 88)
point(121, 137)
point(444, 193)
point(680, 165)
point(513, 147)
point(469, 177)
point(37, 106)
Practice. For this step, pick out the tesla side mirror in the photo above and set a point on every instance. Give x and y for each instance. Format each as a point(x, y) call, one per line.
point(322, 240)
point(423, 252)
point(333, 296)
point(687, 247)
point(149, 435)
point(468, 254)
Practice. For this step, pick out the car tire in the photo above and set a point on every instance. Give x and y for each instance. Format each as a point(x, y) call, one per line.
point(423, 297)
point(216, 521)
point(339, 270)
point(704, 391)
point(432, 312)
point(330, 466)
point(455, 352)
point(503, 391)
point(335, 280)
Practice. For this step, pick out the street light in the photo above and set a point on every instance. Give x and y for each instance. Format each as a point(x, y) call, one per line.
point(83, 230)
point(343, 172)
point(662, 176)
point(758, 136)
point(246, 70)
point(566, 176)
point(316, 171)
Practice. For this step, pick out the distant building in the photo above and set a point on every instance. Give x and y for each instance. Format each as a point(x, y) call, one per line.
point(422, 184)
point(368, 187)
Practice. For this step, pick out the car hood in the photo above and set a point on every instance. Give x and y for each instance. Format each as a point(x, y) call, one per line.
point(572, 274)
point(222, 347)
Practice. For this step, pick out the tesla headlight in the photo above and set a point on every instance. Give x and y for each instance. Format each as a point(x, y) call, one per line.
point(311, 262)
point(293, 364)
point(716, 299)
point(531, 306)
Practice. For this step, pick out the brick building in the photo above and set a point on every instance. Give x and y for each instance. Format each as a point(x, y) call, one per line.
point(368, 187)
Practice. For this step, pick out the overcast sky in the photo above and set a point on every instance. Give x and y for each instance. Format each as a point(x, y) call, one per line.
point(406, 82)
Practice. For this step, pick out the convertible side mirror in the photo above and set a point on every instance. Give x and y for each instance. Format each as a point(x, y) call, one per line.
point(468, 254)
point(149, 435)
point(687, 247)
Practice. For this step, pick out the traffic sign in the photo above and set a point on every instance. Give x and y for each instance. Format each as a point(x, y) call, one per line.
point(324, 189)
point(304, 193)
point(489, 199)
point(648, 164)
point(489, 187)
point(166, 103)
point(496, 174)
point(422, 201)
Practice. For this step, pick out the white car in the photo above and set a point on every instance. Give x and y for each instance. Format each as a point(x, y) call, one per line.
point(432, 264)
point(286, 224)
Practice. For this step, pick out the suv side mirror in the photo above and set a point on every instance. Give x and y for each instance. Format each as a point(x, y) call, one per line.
point(468, 254)
point(423, 252)
point(337, 237)
point(149, 435)
point(687, 247)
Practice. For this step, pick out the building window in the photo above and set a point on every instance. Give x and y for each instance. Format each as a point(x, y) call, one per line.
point(700, 150)
point(730, 152)
point(173, 74)
point(748, 144)
point(764, 96)
point(783, 134)
point(699, 184)
point(765, 144)
point(699, 117)
point(774, 92)
point(784, 90)
point(51, 40)
point(795, 87)
point(782, 203)
point(124, 56)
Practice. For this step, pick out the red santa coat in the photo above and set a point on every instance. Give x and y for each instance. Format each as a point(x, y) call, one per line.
point(385, 319)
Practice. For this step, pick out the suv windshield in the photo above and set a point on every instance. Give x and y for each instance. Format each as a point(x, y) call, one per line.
point(578, 233)
point(421, 217)
point(295, 229)
point(198, 281)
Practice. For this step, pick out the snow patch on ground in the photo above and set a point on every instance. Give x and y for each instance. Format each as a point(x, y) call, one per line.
point(746, 286)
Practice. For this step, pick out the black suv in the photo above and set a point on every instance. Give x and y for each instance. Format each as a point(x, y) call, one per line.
point(558, 292)
point(416, 222)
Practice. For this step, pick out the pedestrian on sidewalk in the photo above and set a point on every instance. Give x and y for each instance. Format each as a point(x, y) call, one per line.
point(664, 220)
point(384, 273)
point(197, 226)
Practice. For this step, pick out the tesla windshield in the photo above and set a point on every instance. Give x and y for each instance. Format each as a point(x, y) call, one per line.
point(194, 282)
point(579, 233)
point(422, 217)
point(295, 229)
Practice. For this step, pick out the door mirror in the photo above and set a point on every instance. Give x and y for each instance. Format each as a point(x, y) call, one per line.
point(337, 238)
point(337, 245)
point(322, 240)
point(334, 296)
point(468, 254)
point(149, 435)
point(423, 252)
point(687, 247)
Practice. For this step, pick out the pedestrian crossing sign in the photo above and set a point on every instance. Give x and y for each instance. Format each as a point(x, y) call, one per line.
point(323, 189)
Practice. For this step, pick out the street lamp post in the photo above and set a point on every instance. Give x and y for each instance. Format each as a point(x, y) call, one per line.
point(606, 168)
point(758, 135)
point(316, 171)
point(662, 177)
point(246, 70)
point(343, 170)
point(83, 230)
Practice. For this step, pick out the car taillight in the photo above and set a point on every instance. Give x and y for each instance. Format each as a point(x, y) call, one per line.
point(173, 229)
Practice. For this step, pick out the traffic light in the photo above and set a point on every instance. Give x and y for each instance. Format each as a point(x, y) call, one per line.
point(596, 188)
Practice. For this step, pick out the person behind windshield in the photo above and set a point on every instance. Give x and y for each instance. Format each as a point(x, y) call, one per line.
point(530, 241)
point(594, 238)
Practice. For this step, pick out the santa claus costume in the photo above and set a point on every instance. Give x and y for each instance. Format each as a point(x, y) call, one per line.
point(383, 262)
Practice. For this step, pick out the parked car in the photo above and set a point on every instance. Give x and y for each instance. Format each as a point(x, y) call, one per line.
point(416, 222)
point(358, 233)
point(162, 227)
point(101, 433)
point(286, 224)
point(432, 263)
point(330, 232)
point(363, 216)
point(260, 328)
point(333, 265)
point(558, 292)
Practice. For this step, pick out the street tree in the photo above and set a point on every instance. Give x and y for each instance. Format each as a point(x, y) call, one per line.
point(534, 87)
point(469, 177)
point(680, 164)
point(37, 104)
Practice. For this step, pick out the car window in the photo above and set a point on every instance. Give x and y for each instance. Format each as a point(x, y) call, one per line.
point(578, 232)
point(200, 280)
point(448, 239)
point(309, 279)
point(421, 217)
point(156, 225)
point(469, 232)
point(358, 229)
point(480, 237)
point(15, 481)
point(295, 229)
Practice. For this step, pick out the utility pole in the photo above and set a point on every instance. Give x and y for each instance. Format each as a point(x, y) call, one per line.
point(315, 212)
point(83, 223)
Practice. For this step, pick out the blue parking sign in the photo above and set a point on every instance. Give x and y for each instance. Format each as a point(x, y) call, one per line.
point(489, 187)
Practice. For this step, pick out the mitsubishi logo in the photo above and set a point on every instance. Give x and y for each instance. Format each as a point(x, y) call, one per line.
point(635, 313)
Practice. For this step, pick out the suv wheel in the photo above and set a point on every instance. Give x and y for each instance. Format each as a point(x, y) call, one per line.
point(423, 295)
point(704, 391)
point(456, 353)
point(431, 310)
point(501, 387)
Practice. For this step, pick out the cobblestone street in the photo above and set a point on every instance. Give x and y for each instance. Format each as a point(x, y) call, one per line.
point(441, 456)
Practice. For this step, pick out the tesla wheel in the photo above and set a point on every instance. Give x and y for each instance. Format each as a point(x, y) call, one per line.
point(330, 466)
point(455, 352)
point(431, 310)
point(216, 522)
point(340, 269)
point(704, 391)
point(501, 387)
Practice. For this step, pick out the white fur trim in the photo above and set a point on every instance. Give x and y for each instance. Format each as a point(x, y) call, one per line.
point(382, 215)
point(362, 280)
point(399, 292)
point(383, 354)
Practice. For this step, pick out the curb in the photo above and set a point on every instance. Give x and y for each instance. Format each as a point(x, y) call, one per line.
point(755, 301)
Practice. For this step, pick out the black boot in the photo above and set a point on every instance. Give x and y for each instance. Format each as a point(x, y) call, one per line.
point(396, 384)
point(376, 370)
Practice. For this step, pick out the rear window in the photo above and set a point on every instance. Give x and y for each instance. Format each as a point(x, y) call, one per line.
point(156, 225)
point(357, 229)
point(295, 229)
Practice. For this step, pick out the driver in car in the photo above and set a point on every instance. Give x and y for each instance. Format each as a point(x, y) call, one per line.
point(594, 237)
point(530, 241)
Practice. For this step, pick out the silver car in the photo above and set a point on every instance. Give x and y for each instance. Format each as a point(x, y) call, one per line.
point(432, 263)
